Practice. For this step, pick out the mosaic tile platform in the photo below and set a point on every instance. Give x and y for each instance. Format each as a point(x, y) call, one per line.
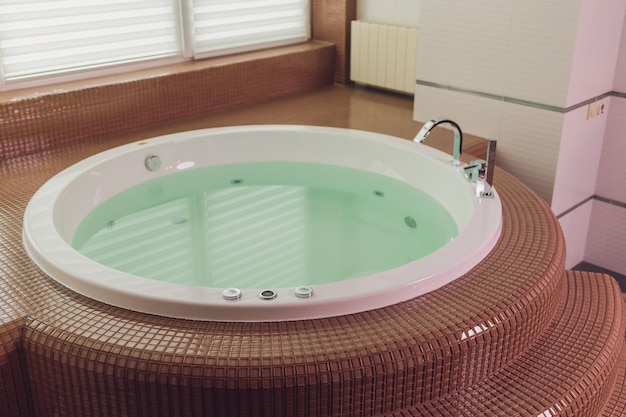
point(516, 336)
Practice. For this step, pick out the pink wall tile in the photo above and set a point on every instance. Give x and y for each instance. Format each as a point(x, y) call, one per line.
point(596, 49)
point(611, 182)
point(620, 72)
point(606, 239)
point(575, 226)
point(579, 158)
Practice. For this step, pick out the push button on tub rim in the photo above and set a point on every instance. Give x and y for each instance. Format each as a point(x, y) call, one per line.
point(303, 291)
point(231, 294)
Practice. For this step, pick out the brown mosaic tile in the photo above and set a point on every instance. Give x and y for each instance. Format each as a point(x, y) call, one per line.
point(331, 23)
point(59, 119)
point(540, 381)
point(165, 342)
point(15, 399)
point(474, 347)
point(616, 403)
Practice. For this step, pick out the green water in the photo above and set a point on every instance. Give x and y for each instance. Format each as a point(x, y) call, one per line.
point(264, 225)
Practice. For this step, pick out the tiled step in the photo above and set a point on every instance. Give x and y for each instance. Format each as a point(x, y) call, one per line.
point(14, 400)
point(616, 405)
point(571, 370)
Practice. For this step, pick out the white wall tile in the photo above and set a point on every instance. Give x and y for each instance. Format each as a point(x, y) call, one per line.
point(597, 46)
point(523, 50)
point(542, 38)
point(434, 59)
point(611, 182)
point(476, 115)
point(579, 158)
point(464, 44)
point(528, 138)
point(479, 34)
point(575, 226)
point(430, 102)
point(528, 146)
point(606, 239)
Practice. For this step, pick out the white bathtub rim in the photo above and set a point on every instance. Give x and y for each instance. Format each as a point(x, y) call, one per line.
point(104, 284)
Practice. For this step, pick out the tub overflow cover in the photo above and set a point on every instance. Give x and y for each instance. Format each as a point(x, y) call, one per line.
point(152, 162)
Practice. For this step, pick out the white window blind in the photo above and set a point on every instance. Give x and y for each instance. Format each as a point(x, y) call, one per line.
point(42, 37)
point(228, 26)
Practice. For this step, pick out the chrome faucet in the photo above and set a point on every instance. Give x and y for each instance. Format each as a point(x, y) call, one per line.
point(458, 136)
point(480, 171)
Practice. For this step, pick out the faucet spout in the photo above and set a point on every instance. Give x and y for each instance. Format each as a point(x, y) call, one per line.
point(458, 136)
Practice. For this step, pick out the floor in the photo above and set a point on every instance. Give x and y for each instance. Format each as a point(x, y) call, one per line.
point(586, 266)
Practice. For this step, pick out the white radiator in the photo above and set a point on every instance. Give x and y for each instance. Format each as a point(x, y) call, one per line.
point(383, 55)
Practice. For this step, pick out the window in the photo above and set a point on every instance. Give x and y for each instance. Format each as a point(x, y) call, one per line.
point(228, 26)
point(41, 38)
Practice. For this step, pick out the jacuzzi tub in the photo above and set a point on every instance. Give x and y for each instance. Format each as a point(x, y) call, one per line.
point(57, 209)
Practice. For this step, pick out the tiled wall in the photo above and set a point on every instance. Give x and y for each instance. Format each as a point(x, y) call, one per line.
point(592, 73)
point(331, 22)
point(523, 73)
point(592, 151)
point(606, 244)
point(528, 137)
point(501, 69)
point(578, 161)
point(596, 49)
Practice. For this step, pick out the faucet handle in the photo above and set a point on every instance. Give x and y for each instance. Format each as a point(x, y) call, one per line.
point(475, 170)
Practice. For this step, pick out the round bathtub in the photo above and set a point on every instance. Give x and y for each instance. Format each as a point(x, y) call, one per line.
point(54, 216)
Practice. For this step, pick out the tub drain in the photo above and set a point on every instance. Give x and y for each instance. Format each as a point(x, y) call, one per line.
point(268, 295)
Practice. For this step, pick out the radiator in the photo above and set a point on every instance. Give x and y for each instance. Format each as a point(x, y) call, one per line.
point(383, 55)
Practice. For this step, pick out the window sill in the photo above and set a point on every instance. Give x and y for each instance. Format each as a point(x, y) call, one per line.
point(40, 119)
point(155, 72)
